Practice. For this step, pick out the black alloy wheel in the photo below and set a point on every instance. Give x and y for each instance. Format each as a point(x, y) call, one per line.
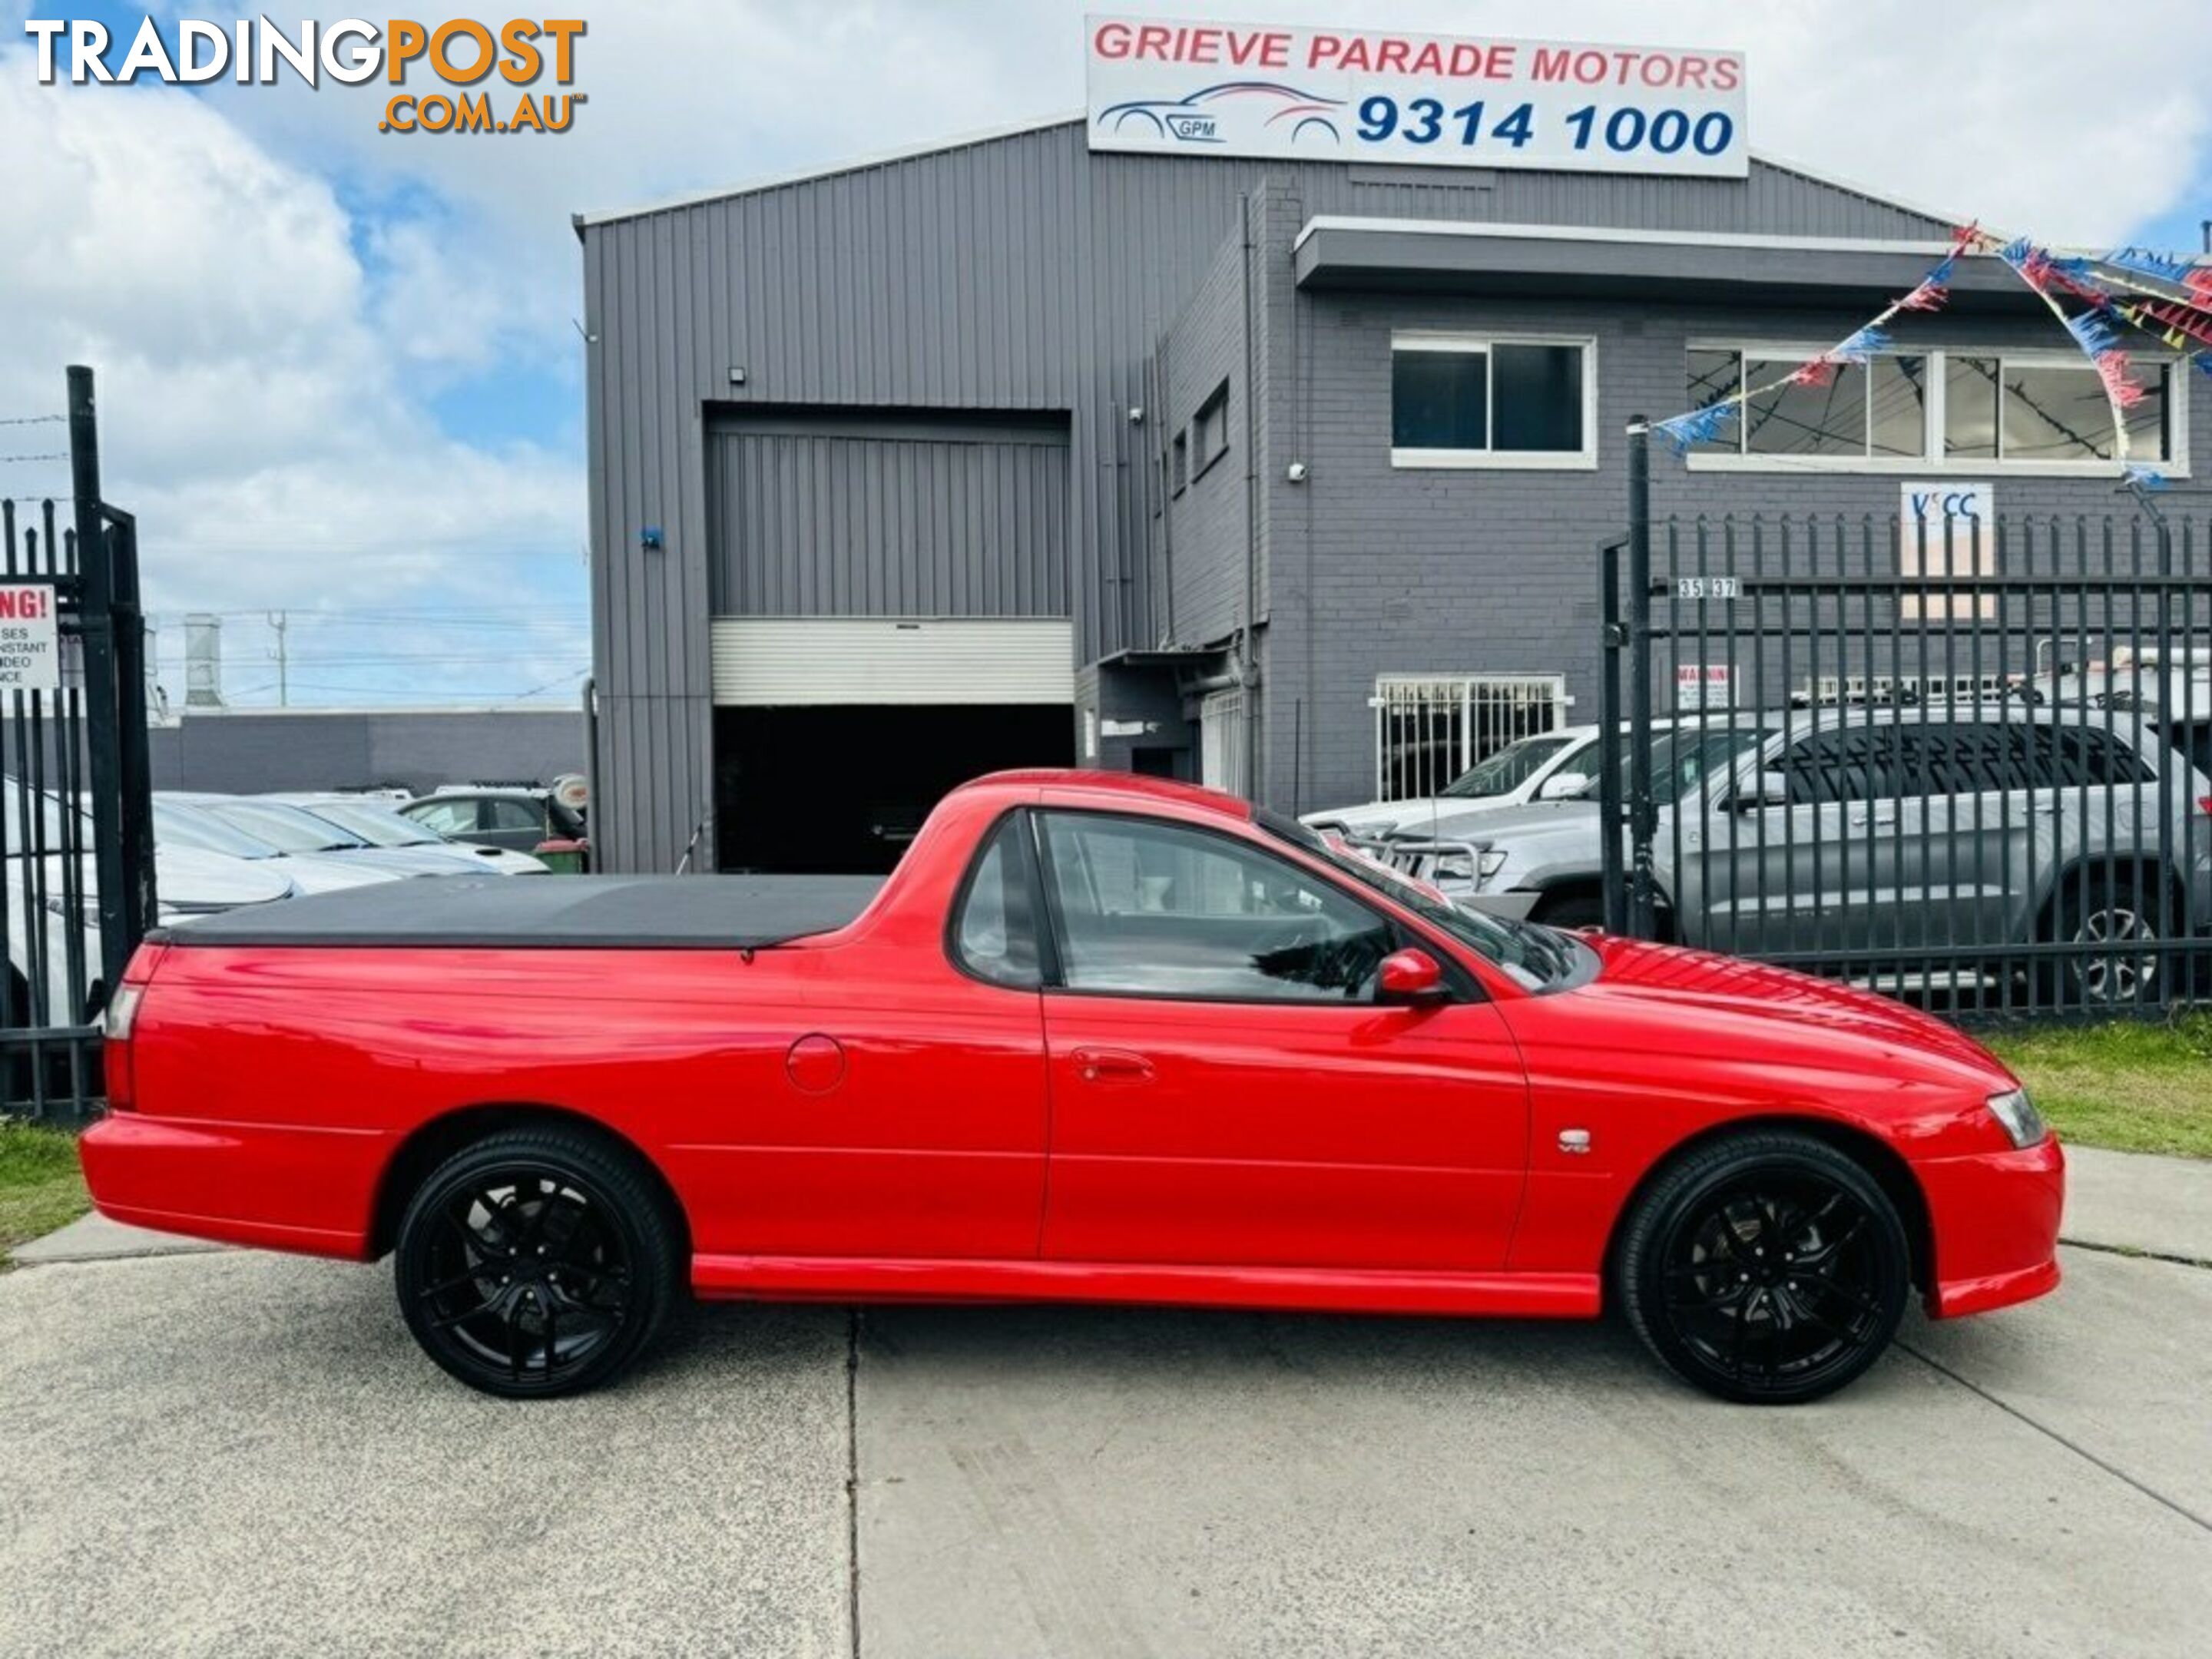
point(1769, 1268)
point(536, 1263)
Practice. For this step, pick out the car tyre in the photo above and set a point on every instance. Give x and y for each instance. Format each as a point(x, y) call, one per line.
point(2115, 932)
point(1768, 1268)
point(537, 1262)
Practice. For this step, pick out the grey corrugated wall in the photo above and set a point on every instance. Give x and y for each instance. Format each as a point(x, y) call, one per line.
point(1015, 274)
point(854, 518)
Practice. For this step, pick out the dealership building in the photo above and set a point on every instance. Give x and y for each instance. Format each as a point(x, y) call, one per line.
point(1280, 472)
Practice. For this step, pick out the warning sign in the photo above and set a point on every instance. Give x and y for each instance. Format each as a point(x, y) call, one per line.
point(1703, 685)
point(30, 638)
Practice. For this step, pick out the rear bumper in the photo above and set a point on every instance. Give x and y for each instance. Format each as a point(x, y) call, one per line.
point(275, 1188)
point(1994, 1217)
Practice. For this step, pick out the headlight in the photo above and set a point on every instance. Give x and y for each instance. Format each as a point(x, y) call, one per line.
point(2017, 1112)
point(1490, 864)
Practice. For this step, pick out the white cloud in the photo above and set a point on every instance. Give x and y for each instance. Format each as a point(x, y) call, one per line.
point(262, 406)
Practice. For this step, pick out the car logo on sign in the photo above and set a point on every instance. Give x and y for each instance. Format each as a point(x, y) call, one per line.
point(1309, 116)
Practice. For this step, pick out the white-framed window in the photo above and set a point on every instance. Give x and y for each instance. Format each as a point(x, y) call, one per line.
point(1959, 408)
point(1493, 400)
point(1430, 728)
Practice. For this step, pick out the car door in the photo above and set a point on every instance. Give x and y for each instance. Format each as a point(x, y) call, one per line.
point(508, 821)
point(1799, 858)
point(1226, 1088)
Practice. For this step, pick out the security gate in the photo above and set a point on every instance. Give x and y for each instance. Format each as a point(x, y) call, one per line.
point(1986, 789)
point(1430, 728)
point(75, 812)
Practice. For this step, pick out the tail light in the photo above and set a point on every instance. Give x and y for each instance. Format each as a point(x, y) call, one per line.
point(119, 1025)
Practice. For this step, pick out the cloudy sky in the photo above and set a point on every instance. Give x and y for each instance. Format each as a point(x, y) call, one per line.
point(341, 372)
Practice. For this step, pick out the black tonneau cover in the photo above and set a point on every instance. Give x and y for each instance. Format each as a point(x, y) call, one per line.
point(606, 913)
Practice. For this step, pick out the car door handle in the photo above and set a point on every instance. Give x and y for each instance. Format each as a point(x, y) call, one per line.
point(1112, 1066)
point(1881, 817)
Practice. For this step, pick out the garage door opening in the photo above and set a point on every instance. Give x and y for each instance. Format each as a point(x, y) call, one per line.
point(841, 789)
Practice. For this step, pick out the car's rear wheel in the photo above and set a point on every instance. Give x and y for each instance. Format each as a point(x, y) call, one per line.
point(536, 1263)
point(1768, 1268)
point(2114, 926)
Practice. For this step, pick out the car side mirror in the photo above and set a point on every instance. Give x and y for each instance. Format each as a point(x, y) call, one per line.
point(1564, 786)
point(1768, 789)
point(1412, 979)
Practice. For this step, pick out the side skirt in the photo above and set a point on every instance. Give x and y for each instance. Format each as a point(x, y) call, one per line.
point(816, 1279)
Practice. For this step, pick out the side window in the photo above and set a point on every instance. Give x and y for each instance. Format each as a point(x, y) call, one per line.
point(514, 814)
point(448, 818)
point(2079, 756)
point(996, 936)
point(1152, 908)
point(1861, 764)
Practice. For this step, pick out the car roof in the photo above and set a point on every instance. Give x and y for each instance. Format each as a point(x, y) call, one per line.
point(1068, 785)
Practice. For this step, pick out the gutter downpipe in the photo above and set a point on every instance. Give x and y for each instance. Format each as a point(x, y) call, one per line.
point(1249, 664)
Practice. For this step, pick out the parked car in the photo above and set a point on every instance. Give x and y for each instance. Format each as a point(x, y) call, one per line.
point(187, 824)
point(1259, 1072)
point(53, 909)
point(292, 830)
point(380, 824)
point(1544, 860)
point(1547, 765)
point(534, 821)
point(1944, 831)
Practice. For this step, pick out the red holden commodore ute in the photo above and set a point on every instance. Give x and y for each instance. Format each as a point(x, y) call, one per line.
point(1098, 1038)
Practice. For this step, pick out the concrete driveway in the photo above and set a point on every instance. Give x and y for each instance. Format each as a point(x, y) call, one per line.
point(243, 1455)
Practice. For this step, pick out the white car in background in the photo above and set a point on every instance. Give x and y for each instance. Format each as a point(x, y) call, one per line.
point(377, 823)
point(53, 920)
point(182, 824)
point(294, 832)
point(1555, 765)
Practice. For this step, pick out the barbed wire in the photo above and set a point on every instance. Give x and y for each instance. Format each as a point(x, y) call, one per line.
point(32, 420)
point(51, 455)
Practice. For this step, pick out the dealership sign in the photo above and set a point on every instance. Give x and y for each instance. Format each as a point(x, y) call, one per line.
point(1947, 530)
point(1355, 94)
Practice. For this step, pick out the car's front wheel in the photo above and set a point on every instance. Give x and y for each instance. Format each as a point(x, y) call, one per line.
point(537, 1262)
point(1768, 1268)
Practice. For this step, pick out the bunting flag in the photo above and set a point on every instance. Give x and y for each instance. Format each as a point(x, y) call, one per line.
point(2192, 276)
point(1702, 426)
point(2092, 329)
point(2165, 295)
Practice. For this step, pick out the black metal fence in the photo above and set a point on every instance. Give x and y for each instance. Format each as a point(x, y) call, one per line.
point(1957, 759)
point(76, 814)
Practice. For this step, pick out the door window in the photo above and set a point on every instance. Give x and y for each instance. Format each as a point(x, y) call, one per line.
point(996, 936)
point(514, 815)
point(1149, 908)
point(1856, 765)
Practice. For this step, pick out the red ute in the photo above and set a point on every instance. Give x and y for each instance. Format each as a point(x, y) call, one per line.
point(1098, 1038)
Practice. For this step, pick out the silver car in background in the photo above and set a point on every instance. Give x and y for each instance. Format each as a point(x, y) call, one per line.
point(1975, 832)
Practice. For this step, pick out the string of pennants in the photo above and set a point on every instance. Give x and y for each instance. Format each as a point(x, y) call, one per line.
point(2092, 297)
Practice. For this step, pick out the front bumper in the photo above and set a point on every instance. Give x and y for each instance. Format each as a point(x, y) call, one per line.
point(1993, 1220)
